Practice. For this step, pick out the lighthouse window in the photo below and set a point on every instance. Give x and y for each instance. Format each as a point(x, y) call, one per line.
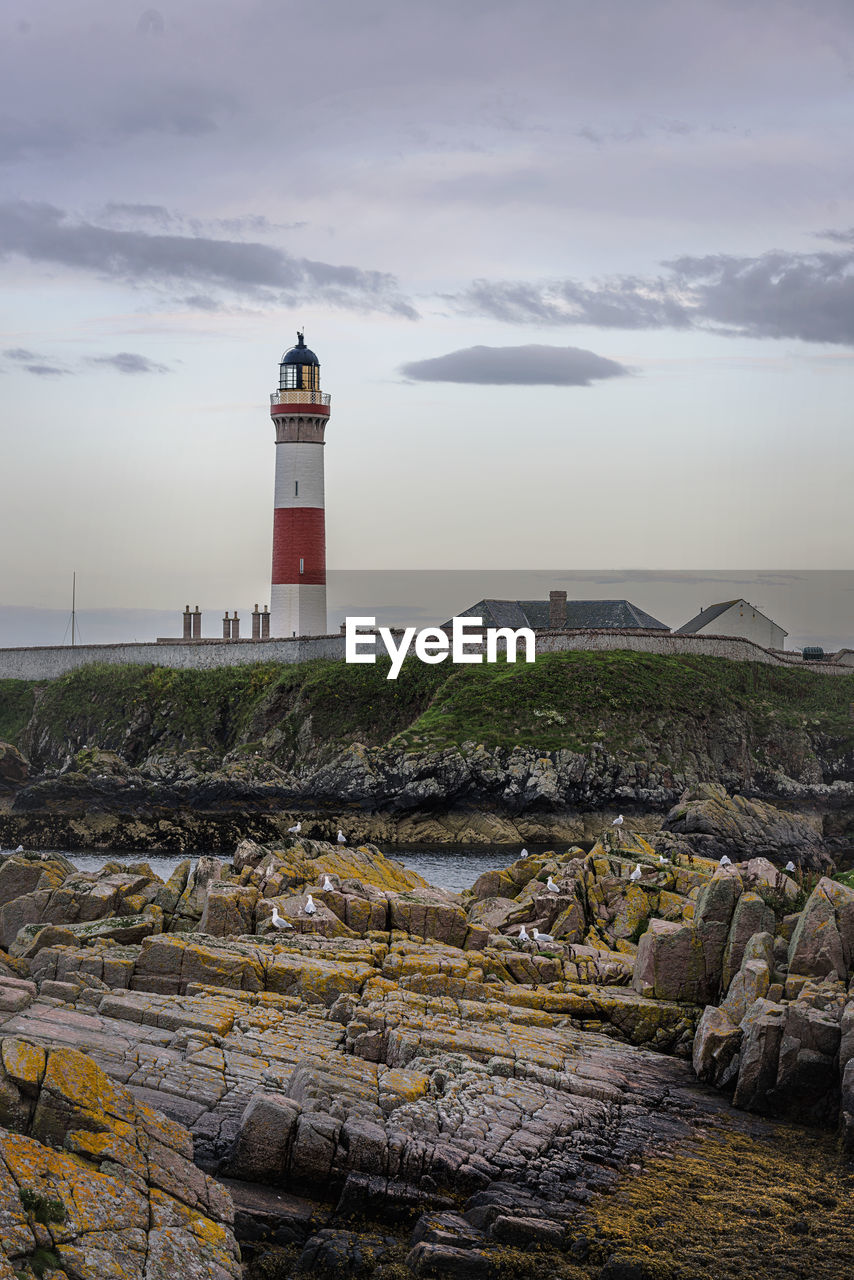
point(287, 376)
point(302, 565)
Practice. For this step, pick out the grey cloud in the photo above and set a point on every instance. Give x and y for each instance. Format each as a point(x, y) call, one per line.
point(774, 295)
point(33, 362)
point(43, 233)
point(157, 213)
point(624, 303)
point(46, 370)
point(531, 365)
point(130, 362)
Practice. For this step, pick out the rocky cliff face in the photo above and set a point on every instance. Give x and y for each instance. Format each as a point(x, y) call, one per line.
point(130, 758)
point(466, 795)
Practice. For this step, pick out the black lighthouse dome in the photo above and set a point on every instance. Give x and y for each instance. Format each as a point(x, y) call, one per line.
point(300, 354)
point(299, 368)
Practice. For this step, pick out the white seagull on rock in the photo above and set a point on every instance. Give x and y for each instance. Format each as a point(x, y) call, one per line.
point(790, 866)
point(295, 829)
point(327, 884)
point(342, 839)
point(661, 858)
point(310, 908)
point(542, 937)
point(725, 861)
point(279, 922)
point(618, 821)
point(551, 886)
point(523, 935)
point(637, 873)
point(524, 853)
point(20, 849)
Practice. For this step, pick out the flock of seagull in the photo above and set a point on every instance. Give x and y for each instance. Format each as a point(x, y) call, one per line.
point(310, 908)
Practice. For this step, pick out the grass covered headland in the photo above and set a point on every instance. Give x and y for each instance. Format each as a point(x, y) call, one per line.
point(620, 701)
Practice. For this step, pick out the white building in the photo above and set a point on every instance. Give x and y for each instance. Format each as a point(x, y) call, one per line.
point(736, 618)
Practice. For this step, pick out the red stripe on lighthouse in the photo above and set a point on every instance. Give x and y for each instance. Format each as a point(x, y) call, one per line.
point(299, 534)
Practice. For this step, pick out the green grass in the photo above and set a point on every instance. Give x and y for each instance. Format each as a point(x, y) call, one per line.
point(577, 699)
point(17, 698)
point(660, 709)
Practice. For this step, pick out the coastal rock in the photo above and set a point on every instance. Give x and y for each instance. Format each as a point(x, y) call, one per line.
point(95, 1183)
point(191, 905)
point(715, 823)
point(14, 767)
point(823, 939)
point(751, 915)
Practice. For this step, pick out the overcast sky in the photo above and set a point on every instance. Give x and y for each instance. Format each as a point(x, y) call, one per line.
point(580, 275)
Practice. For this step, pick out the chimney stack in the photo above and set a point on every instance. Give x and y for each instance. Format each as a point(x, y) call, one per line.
point(188, 624)
point(256, 623)
point(557, 610)
point(235, 627)
point(197, 624)
point(265, 624)
point(226, 626)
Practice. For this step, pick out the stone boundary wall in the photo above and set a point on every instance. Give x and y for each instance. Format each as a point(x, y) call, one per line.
point(48, 662)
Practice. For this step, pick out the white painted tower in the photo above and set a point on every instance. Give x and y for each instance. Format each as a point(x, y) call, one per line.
point(300, 412)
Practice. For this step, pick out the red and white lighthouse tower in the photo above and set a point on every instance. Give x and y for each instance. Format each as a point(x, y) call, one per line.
point(300, 412)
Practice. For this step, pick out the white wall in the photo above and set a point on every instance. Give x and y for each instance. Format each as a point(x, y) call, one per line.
point(741, 619)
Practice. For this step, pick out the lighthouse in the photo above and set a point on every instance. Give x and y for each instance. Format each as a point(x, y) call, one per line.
point(300, 412)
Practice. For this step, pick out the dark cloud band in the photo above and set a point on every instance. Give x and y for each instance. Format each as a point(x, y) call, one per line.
point(43, 233)
point(809, 296)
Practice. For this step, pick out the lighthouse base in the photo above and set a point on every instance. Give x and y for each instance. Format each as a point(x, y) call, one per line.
point(298, 609)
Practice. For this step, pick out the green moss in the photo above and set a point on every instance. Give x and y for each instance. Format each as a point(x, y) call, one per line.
point(43, 1208)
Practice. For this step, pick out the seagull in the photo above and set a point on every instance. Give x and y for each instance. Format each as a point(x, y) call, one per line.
point(342, 839)
point(20, 849)
point(551, 886)
point(279, 922)
point(618, 821)
point(661, 858)
point(637, 873)
point(295, 829)
point(523, 935)
point(310, 908)
point(725, 861)
point(524, 854)
point(542, 937)
point(327, 884)
point(790, 866)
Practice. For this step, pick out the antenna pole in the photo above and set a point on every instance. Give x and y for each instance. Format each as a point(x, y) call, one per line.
point(73, 603)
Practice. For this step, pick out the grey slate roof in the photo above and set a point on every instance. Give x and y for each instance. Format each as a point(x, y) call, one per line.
point(581, 615)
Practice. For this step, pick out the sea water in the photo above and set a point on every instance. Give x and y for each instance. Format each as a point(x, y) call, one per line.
point(454, 867)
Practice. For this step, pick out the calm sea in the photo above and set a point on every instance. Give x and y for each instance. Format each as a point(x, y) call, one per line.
point(454, 867)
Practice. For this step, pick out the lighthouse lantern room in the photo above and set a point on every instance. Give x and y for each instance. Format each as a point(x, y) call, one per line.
point(300, 412)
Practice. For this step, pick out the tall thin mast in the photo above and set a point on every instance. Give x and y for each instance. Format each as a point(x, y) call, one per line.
point(73, 604)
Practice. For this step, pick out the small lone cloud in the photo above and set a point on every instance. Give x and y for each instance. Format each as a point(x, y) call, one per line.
point(526, 366)
point(46, 370)
point(129, 362)
point(35, 363)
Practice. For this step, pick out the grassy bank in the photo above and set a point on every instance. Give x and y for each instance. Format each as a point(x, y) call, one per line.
point(624, 701)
